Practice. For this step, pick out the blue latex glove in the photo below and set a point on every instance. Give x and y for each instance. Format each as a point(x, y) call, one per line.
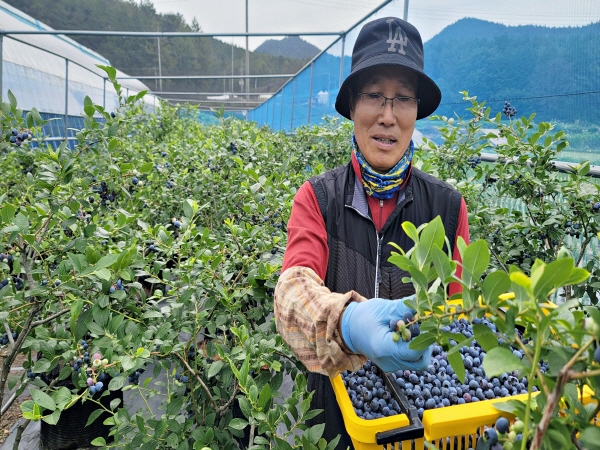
point(366, 330)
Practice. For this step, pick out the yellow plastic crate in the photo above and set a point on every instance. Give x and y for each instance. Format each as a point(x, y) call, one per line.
point(447, 428)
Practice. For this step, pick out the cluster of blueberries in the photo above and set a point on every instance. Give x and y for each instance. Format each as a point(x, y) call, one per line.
point(19, 283)
point(191, 354)
point(473, 161)
point(515, 181)
point(176, 223)
point(369, 395)
point(573, 229)
point(503, 436)
point(181, 378)
point(152, 247)
point(233, 148)
point(438, 386)
point(134, 377)
point(509, 111)
point(98, 385)
point(104, 194)
point(8, 259)
point(118, 286)
point(4, 340)
point(18, 138)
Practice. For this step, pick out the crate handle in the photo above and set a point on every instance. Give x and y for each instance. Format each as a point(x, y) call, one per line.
point(414, 430)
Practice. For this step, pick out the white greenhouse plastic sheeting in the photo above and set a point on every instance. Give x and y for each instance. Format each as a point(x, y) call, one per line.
point(37, 77)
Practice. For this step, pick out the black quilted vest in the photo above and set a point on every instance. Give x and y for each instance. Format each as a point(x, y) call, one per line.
point(358, 255)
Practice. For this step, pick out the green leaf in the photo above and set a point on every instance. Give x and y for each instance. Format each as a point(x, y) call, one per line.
point(281, 444)
point(43, 399)
point(99, 442)
point(110, 71)
point(245, 406)
point(457, 364)
point(93, 416)
point(42, 365)
point(515, 407)
point(103, 274)
point(265, 396)
point(89, 110)
point(314, 433)
point(174, 406)
point(52, 419)
point(146, 168)
point(444, 266)
point(238, 424)
point(106, 261)
point(475, 260)
point(499, 360)
point(485, 337)
point(422, 341)
point(12, 99)
point(432, 236)
point(215, 368)
point(495, 284)
point(552, 275)
point(411, 231)
point(591, 438)
point(116, 383)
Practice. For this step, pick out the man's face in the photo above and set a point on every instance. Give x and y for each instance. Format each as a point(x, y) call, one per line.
point(383, 135)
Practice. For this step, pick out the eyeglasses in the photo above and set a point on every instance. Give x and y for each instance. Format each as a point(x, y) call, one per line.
point(375, 102)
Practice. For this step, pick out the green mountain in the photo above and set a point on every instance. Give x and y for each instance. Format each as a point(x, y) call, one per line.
point(554, 72)
point(139, 56)
point(291, 46)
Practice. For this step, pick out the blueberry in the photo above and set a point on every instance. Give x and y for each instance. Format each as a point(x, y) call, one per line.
point(502, 425)
point(491, 436)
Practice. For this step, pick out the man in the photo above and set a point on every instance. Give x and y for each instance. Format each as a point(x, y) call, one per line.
point(343, 221)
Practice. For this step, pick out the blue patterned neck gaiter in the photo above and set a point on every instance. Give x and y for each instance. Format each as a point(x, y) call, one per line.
point(383, 185)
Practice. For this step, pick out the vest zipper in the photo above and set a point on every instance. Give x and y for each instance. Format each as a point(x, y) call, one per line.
point(377, 272)
point(379, 241)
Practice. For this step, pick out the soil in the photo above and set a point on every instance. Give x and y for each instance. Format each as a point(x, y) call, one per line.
point(13, 414)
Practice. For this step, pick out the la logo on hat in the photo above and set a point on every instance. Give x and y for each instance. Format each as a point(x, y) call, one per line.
point(397, 39)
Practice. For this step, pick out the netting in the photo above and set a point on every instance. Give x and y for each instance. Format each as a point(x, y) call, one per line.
point(550, 70)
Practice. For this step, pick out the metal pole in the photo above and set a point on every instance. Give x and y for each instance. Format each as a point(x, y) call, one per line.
point(342, 61)
point(247, 53)
point(1, 63)
point(405, 10)
point(267, 114)
point(159, 66)
point(281, 111)
point(66, 97)
point(312, 71)
point(273, 113)
point(293, 99)
point(104, 94)
point(232, 64)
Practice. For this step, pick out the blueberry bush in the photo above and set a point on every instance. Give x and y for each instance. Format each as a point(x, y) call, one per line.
point(144, 260)
point(521, 205)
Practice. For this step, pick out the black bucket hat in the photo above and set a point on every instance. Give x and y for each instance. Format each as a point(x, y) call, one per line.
point(390, 41)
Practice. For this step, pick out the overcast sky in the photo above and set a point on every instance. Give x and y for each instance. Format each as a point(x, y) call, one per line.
point(429, 16)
